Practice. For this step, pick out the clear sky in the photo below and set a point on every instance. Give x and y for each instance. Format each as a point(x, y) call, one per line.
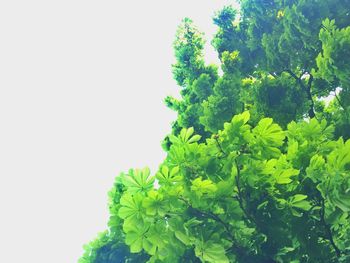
point(82, 85)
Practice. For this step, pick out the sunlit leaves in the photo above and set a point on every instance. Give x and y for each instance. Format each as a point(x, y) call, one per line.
point(186, 136)
point(167, 176)
point(341, 157)
point(229, 183)
point(156, 238)
point(268, 136)
point(138, 180)
point(298, 203)
point(201, 187)
point(131, 209)
point(243, 187)
point(338, 191)
point(136, 237)
point(155, 204)
point(285, 176)
point(335, 43)
point(315, 171)
point(236, 132)
point(211, 252)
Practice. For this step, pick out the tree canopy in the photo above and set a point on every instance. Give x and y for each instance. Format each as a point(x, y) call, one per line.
point(258, 161)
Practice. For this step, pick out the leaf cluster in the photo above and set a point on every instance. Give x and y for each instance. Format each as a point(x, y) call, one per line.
point(258, 164)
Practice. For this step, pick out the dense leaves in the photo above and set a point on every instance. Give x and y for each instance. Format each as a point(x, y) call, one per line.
point(258, 162)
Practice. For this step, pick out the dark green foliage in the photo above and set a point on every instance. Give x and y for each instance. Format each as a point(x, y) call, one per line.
point(195, 78)
point(188, 46)
point(225, 99)
point(258, 164)
point(278, 97)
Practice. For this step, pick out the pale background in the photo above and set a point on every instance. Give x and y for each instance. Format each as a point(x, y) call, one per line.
point(82, 85)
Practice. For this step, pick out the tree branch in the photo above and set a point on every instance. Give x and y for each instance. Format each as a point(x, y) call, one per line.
point(210, 215)
point(306, 88)
point(341, 105)
point(328, 230)
point(216, 137)
point(309, 96)
point(239, 196)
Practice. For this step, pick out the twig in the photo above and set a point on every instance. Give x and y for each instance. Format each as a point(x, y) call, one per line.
point(328, 230)
point(212, 216)
point(239, 197)
point(341, 105)
point(307, 89)
point(216, 137)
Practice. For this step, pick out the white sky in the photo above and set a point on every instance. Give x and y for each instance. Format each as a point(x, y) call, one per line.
point(82, 85)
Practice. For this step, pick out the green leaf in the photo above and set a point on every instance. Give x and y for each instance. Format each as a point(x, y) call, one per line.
point(342, 201)
point(267, 138)
point(131, 210)
point(211, 252)
point(167, 177)
point(341, 157)
point(154, 204)
point(136, 237)
point(138, 180)
point(268, 133)
point(186, 136)
point(183, 237)
point(201, 187)
point(284, 177)
point(156, 238)
point(188, 133)
point(194, 138)
point(299, 201)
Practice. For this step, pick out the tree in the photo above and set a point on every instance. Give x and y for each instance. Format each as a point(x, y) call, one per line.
point(191, 73)
point(258, 164)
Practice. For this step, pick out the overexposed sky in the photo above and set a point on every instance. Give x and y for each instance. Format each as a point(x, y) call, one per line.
point(82, 85)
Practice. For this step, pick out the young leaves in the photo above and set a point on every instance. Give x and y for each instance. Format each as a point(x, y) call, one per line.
point(211, 252)
point(136, 238)
point(131, 209)
point(298, 202)
point(201, 187)
point(268, 137)
point(155, 204)
point(169, 177)
point(138, 181)
point(248, 193)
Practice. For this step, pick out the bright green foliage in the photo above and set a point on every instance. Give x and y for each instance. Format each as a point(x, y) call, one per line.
point(257, 166)
point(246, 195)
point(331, 63)
point(109, 246)
point(138, 180)
point(334, 68)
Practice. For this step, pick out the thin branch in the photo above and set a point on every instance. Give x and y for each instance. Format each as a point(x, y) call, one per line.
point(337, 98)
point(307, 89)
point(341, 104)
point(328, 230)
point(216, 137)
point(239, 196)
point(211, 216)
point(309, 96)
